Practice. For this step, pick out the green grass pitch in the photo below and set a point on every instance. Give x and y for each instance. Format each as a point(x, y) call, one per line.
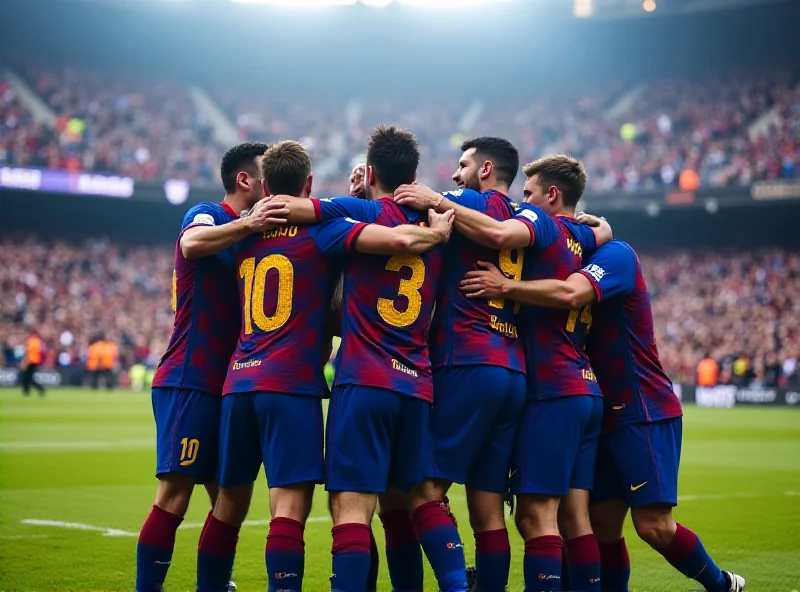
point(76, 482)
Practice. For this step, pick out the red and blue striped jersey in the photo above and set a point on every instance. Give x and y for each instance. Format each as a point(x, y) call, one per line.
point(466, 331)
point(622, 344)
point(206, 312)
point(556, 339)
point(286, 282)
point(387, 302)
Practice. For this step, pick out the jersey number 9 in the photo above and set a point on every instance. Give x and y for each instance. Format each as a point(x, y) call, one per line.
point(510, 264)
point(408, 288)
point(255, 279)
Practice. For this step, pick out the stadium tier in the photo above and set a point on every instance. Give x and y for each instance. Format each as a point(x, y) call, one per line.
point(661, 134)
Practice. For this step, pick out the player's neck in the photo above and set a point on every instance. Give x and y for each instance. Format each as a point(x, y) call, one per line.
point(236, 202)
point(379, 192)
point(568, 212)
point(499, 187)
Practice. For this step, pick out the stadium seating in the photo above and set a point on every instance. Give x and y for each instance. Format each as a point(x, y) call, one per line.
point(151, 129)
point(72, 292)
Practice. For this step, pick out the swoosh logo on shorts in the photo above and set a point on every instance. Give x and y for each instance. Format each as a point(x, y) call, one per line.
point(634, 488)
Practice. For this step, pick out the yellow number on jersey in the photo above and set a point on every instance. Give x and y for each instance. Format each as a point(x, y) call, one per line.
point(189, 450)
point(585, 316)
point(174, 290)
point(510, 263)
point(408, 288)
point(255, 278)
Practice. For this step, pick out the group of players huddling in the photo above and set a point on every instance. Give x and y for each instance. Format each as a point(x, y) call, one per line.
point(517, 354)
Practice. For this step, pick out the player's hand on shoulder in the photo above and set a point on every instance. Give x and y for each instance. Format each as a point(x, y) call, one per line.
point(357, 188)
point(267, 214)
point(442, 223)
point(588, 219)
point(417, 196)
point(485, 282)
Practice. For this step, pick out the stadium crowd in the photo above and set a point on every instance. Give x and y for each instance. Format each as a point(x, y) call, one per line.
point(669, 133)
point(78, 292)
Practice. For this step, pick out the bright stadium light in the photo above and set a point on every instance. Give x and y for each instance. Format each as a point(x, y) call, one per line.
point(298, 3)
point(450, 3)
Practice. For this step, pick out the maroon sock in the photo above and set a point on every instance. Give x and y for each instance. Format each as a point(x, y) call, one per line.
point(583, 563)
point(159, 529)
point(615, 566)
point(284, 554)
point(492, 559)
point(403, 553)
point(215, 554)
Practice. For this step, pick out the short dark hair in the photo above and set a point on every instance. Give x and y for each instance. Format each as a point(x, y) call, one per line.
point(237, 159)
point(565, 172)
point(394, 154)
point(502, 153)
point(286, 167)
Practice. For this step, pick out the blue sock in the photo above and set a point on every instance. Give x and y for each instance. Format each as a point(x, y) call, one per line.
point(154, 551)
point(583, 564)
point(687, 554)
point(285, 555)
point(615, 566)
point(442, 545)
point(492, 560)
point(215, 554)
point(403, 552)
point(351, 558)
point(543, 564)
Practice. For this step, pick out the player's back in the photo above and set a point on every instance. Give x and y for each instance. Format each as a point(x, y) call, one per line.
point(285, 289)
point(622, 345)
point(207, 318)
point(556, 361)
point(477, 331)
point(388, 302)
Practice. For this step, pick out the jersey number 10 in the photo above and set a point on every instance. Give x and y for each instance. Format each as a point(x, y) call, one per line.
point(255, 279)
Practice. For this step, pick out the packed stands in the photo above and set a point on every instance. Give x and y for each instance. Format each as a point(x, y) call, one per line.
point(739, 307)
point(152, 130)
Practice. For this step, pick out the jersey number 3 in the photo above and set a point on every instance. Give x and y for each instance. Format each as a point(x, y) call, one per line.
point(255, 279)
point(408, 288)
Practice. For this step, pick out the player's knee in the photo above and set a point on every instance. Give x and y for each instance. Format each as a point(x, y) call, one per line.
point(485, 510)
point(292, 502)
point(174, 493)
point(655, 526)
point(349, 507)
point(430, 490)
point(607, 521)
point(536, 515)
point(233, 503)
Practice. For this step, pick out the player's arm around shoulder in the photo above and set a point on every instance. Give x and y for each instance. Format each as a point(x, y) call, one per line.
point(489, 282)
point(600, 227)
point(406, 239)
point(476, 226)
point(204, 237)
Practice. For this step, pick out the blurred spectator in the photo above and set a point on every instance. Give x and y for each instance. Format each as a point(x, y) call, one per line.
point(707, 371)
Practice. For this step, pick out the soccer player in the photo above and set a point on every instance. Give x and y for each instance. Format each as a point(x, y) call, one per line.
point(479, 367)
point(272, 408)
point(640, 446)
point(188, 382)
point(563, 412)
point(378, 424)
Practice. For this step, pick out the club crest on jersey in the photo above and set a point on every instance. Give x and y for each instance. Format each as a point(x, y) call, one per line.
point(205, 219)
point(595, 271)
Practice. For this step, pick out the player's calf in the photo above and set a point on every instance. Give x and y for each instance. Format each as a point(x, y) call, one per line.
point(492, 547)
point(608, 520)
point(682, 548)
point(403, 551)
point(352, 513)
point(157, 537)
point(581, 554)
point(537, 521)
point(284, 553)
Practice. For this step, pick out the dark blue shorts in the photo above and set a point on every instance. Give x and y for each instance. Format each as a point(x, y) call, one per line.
point(376, 439)
point(282, 432)
point(474, 420)
point(187, 432)
point(639, 464)
point(556, 445)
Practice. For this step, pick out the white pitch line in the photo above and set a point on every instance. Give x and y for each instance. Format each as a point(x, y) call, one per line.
point(112, 532)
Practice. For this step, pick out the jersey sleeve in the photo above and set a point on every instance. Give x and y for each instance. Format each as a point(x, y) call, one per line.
point(612, 271)
point(544, 231)
point(336, 237)
point(203, 214)
point(348, 207)
point(467, 198)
